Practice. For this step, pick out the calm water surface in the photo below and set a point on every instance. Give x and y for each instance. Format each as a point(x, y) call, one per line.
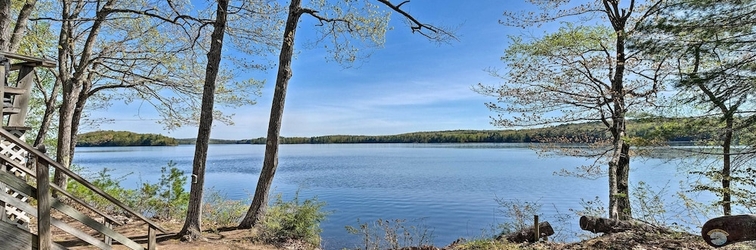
point(450, 187)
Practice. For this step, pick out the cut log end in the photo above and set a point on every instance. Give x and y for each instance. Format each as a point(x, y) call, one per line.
point(725, 230)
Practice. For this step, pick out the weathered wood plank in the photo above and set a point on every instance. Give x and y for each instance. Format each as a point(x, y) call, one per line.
point(55, 203)
point(79, 234)
point(18, 165)
point(85, 204)
point(3, 80)
point(47, 63)
point(73, 213)
point(17, 184)
point(151, 243)
point(14, 237)
point(25, 82)
point(43, 204)
point(13, 201)
point(44, 158)
point(57, 223)
point(107, 239)
point(55, 246)
point(11, 111)
point(13, 90)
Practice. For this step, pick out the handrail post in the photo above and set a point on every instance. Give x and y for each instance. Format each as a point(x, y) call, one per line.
point(43, 203)
point(151, 242)
point(108, 224)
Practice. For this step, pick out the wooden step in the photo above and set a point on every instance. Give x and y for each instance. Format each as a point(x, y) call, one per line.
point(14, 128)
point(11, 111)
point(13, 90)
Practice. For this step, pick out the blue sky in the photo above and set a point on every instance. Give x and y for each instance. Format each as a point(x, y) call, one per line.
point(409, 85)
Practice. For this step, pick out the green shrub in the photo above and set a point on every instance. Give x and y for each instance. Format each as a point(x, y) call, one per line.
point(106, 182)
point(286, 220)
point(166, 199)
point(219, 211)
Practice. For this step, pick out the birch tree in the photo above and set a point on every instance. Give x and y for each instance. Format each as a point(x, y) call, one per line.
point(341, 23)
point(578, 74)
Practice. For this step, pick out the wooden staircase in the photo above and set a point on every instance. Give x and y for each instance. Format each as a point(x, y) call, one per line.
point(25, 177)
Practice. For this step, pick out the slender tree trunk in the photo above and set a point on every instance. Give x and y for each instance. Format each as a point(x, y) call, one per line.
point(726, 165)
point(47, 116)
point(619, 164)
point(68, 90)
point(256, 212)
point(192, 224)
point(19, 30)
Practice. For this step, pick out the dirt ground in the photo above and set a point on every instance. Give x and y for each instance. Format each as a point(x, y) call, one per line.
point(227, 239)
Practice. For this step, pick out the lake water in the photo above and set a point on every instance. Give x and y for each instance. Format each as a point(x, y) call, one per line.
point(449, 188)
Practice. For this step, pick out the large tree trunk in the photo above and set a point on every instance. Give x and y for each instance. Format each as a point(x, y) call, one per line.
point(68, 90)
point(257, 210)
point(192, 224)
point(75, 83)
point(65, 130)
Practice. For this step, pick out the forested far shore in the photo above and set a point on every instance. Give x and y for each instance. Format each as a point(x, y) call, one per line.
point(641, 131)
point(111, 138)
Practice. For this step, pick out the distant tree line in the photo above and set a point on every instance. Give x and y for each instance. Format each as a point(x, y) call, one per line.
point(647, 130)
point(123, 138)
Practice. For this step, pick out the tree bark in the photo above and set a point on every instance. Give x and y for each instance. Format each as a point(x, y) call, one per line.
point(619, 164)
point(5, 24)
point(47, 116)
point(192, 224)
point(257, 209)
point(727, 164)
point(19, 30)
point(528, 234)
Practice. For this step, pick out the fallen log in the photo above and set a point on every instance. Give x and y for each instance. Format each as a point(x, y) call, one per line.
point(605, 225)
point(528, 234)
point(725, 230)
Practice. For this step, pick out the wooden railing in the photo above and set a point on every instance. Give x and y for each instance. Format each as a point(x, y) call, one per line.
point(38, 166)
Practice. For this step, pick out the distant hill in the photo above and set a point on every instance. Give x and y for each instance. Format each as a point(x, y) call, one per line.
point(123, 138)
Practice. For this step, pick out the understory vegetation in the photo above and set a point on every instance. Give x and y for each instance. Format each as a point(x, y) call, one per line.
point(166, 200)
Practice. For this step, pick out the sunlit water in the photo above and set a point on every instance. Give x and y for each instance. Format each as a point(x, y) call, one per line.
point(449, 188)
